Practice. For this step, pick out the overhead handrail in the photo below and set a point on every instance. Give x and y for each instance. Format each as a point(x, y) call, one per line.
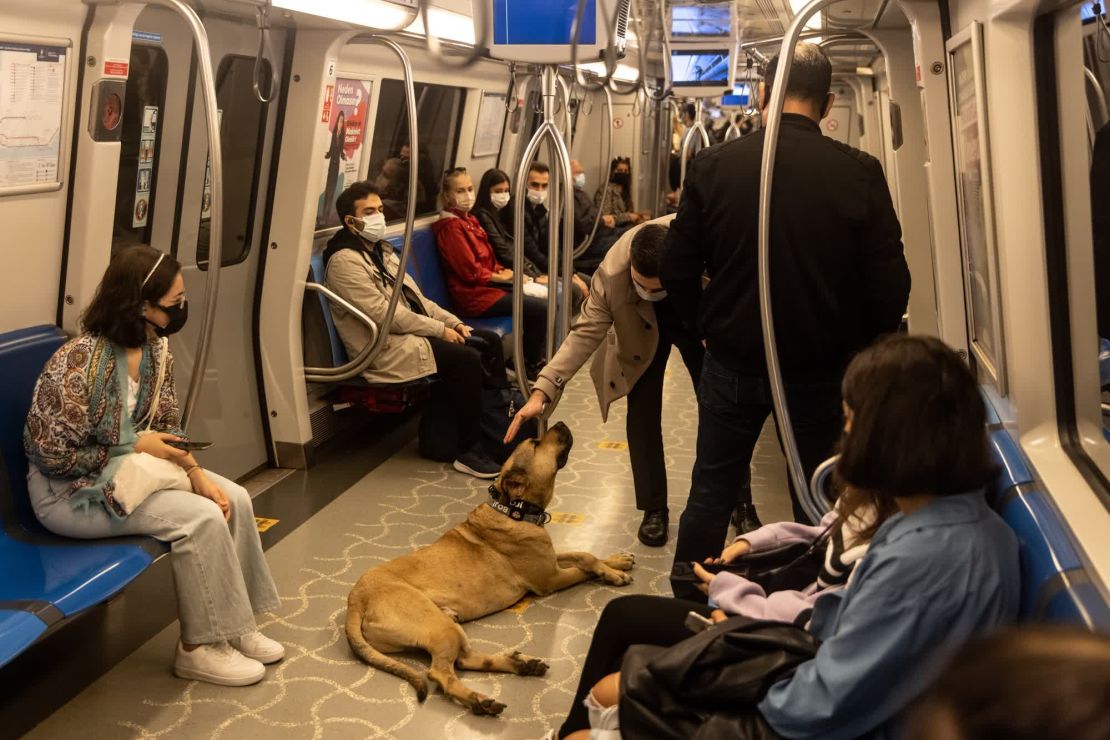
point(604, 168)
point(265, 51)
point(410, 204)
point(1100, 95)
point(610, 59)
point(356, 366)
point(642, 44)
point(568, 133)
point(479, 10)
point(751, 109)
point(560, 186)
point(768, 40)
point(216, 214)
point(687, 140)
point(773, 121)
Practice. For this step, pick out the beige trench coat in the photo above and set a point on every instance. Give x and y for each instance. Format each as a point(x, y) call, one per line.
point(407, 355)
point(614, 319)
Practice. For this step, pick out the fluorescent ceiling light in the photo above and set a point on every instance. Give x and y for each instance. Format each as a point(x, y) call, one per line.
point(623, 72)
point(446, 25)
point(815, 21)
point(369, 13)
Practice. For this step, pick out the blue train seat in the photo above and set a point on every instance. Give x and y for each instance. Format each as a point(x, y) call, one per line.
point(46, 578)
point(1055, 586)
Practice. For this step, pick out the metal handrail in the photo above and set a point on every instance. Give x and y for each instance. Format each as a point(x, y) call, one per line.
point(773, 121)
point(262, 17)
point(547, 130)
point(480, 9)
point(641, 52)
point(1100, 95)
point(610, 59)
point(698, 127)
point(410, 206)
point(568, 133)
point(362, 361)
point(768, 40)
point(733, 131)
point(216, 217)
point(581, 248)
point(820, 505)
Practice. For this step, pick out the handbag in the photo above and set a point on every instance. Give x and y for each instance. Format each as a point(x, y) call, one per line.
point(791, 567)
point(707, 686)
point(140, 474)
point(499, 406)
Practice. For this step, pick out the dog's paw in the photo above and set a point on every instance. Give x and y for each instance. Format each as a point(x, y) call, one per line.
point(421, 687)
point(528, 666)
point(621, 561)
point(454, 615)
point(487, 707)
point(615, 577)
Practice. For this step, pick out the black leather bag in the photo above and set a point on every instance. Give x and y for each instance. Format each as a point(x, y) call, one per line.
point(499, 406)
point(707, 686)
point(788, 568)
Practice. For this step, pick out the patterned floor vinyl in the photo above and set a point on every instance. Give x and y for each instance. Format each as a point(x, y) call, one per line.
point(322, 691)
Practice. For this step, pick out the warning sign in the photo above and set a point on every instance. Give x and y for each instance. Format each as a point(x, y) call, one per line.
point(147, 138)
point(115, 68)
point(329, 95)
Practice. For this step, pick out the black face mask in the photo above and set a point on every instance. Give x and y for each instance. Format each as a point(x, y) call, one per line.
point(624, 179)
point(178, 314)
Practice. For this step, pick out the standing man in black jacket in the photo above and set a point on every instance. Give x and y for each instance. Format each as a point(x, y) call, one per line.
point(838, 280)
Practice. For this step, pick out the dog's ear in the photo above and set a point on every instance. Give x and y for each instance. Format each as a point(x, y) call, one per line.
point(513, 484)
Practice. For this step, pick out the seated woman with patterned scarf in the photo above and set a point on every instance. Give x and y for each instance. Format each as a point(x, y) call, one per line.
point(104, 398)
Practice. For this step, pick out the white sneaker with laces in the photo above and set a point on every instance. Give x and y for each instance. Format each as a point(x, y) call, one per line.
point(256, 645)
point(217, 663)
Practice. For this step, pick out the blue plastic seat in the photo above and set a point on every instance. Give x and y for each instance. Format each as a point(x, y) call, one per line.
point(39, 567)
point(18, 630)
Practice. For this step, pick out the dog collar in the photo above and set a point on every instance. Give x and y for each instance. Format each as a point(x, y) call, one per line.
point(518, 509)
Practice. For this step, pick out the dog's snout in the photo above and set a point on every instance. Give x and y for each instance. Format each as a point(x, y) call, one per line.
point(562, 432)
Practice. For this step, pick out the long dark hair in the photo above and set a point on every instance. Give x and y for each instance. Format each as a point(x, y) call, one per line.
point(917, 424)
point(116, 311)
point(490, 179)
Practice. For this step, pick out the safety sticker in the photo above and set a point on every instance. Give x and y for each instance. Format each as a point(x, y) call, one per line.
point(521, 606)
point(115, 68)
point(263, 523)
point(562, 517)
point(612, 445)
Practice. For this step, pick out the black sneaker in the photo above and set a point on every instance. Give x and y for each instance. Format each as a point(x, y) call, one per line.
point(744, 519)
point(475, 462)
point(653, 529)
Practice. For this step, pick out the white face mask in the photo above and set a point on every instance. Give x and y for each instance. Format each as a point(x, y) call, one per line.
point(580, 181)
point(499, 200)
point(465, 201)
point(373, 227)
point(537, 197)
point(647, 295)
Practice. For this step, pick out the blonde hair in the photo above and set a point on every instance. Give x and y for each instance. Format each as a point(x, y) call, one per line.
point(449, 177)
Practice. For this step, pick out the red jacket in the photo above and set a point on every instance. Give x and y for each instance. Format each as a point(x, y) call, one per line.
point(468, 256)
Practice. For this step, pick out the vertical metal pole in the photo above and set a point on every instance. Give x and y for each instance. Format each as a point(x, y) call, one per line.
point(548, 91)
point(603, 170)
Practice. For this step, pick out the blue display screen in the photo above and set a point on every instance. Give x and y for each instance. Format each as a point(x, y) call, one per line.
point(734, 100)
point(700, 20)
point(540, 22)
point(709, 68)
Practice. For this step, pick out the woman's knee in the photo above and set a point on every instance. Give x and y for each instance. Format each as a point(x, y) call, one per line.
point(607, 691)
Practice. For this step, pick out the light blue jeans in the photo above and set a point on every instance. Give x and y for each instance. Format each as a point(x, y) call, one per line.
point(219, 568)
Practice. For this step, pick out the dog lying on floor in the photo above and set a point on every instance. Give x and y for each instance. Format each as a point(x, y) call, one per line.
point(482, 566)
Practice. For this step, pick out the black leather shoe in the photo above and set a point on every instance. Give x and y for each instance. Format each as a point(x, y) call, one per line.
point(745, 519)
point(653, 529)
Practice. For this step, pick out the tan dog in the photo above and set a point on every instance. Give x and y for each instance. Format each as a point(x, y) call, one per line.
point(483, 565)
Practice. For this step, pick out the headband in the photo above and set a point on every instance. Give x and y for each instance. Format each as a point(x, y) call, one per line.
point(161, 256)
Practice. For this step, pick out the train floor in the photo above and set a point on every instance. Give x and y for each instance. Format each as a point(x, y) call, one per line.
point(321, 690)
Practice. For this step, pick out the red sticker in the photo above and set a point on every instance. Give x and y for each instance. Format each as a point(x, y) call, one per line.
point(329, 94)
point(115, 69)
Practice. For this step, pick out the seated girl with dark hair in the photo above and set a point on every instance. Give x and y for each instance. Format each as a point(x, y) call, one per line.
point(941, 569)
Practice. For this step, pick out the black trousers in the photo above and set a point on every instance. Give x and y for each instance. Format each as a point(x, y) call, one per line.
point(456, 401)
point(627, 621)
point(644, 421)
point(535, 323)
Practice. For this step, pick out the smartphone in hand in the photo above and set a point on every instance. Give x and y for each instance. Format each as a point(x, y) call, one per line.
point(697, 623)
point(189, 446)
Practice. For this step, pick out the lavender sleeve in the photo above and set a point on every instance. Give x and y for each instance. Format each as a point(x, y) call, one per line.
point(786, 533)
point(735, 594)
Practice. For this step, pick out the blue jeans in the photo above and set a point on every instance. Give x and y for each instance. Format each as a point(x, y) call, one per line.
point(731, 411)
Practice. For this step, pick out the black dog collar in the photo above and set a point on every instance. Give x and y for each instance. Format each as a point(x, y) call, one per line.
point(519, 509)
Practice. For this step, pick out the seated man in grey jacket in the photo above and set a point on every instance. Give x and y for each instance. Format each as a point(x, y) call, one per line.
point(627, 303)
point(424, 339)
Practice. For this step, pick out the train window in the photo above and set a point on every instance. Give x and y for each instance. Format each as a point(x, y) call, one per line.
point(144, 101)
point(242, 135)
point(439, 115)
point(974, 191)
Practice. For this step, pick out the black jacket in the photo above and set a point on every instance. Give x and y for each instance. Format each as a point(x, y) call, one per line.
point(1100, 215)
point(535, 235)
point(585, 215)
point(501, 239)
point(838, 275)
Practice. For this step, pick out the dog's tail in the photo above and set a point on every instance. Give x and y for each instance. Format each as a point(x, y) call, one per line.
point(370, 655)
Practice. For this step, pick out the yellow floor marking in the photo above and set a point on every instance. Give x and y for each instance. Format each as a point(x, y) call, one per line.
point(263, 523)
point(562, 517)
point(520, 606)
point(611, 445)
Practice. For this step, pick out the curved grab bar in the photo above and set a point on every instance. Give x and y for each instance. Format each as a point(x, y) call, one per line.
point(262, 17)
point(610, 60)
point(818, 504)
point(733, 131)
point(773, 121)
point(581, 248)
point(1100, 95)
point(642, 40)
point(568, 133)
point(362, 361)
point(481, 36)
point(698, 127)
point(216, 217)
point(410, 205)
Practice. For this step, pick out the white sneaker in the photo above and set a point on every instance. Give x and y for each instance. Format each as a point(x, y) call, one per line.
point(218, 663)
point(256, 645)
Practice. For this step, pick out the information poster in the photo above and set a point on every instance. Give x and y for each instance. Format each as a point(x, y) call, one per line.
point(145, 171)
point(344, 117)
point(206, 197)
point(32, 92)
point(491, 125)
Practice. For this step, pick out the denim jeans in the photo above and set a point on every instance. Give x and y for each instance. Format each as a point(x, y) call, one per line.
point(731, 411)
point(219, 568)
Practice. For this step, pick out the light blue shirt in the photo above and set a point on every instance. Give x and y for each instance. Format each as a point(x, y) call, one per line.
point(928, 582)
